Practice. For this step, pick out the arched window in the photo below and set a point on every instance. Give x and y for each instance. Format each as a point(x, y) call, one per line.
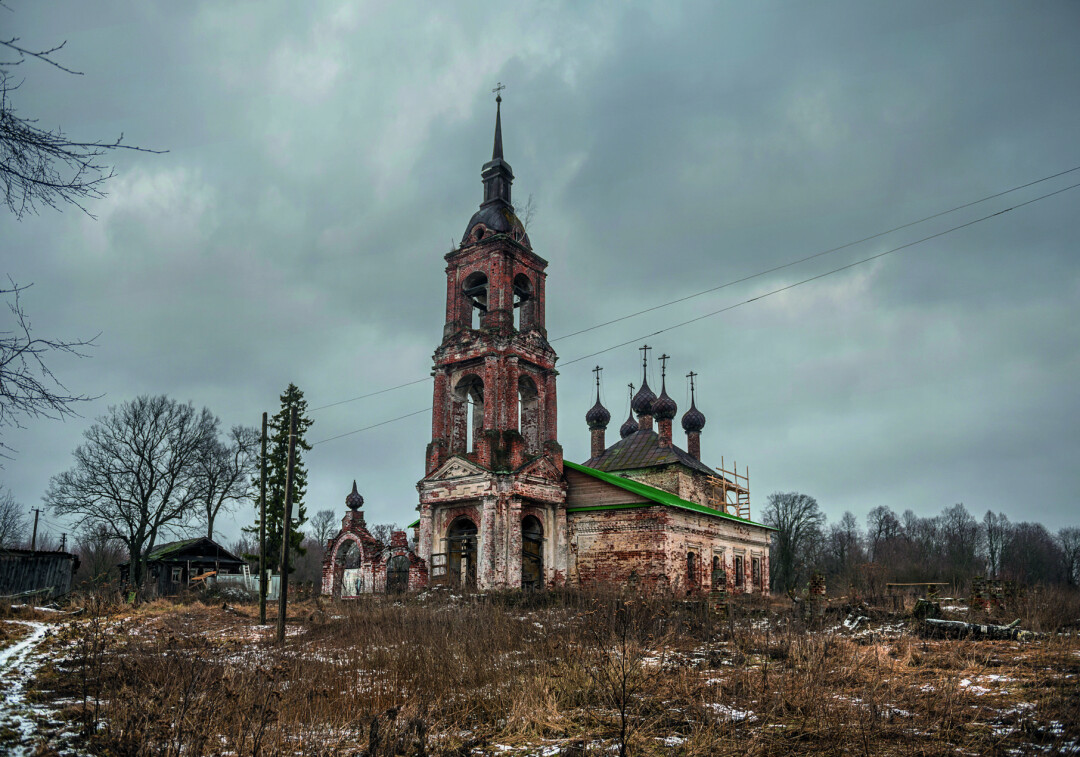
point(529, 413)
point(475, 289)
point(532, 554)
point(523, 303)
point(691, 570)
point(468, 414)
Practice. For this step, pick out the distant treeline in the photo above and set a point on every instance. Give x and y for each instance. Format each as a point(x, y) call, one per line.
point(953, 547)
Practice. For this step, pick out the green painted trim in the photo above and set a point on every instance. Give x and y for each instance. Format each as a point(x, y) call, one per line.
point(414, 524)
point(658, 496)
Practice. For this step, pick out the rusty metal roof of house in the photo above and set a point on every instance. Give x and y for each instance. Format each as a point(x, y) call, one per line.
point(642, 449)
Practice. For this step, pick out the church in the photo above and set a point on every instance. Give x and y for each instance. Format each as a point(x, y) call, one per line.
point(500, 509)
point(499, 506)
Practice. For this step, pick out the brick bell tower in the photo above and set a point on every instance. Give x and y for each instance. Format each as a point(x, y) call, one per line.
point(492, 500)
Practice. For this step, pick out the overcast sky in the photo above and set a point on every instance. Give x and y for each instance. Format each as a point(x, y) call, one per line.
point(323, 157)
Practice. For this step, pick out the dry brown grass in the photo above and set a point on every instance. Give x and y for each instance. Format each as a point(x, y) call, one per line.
point(442, 675)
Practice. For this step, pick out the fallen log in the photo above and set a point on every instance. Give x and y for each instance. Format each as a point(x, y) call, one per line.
point(958, 629)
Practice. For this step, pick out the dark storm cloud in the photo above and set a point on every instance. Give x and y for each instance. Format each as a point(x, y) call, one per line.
point(324, 157)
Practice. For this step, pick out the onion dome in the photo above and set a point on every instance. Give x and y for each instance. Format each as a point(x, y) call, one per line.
point(663, 407)
point(693, 420)
point(643, 400)
point(354, 501)
point(598, 416)
point(629, 427)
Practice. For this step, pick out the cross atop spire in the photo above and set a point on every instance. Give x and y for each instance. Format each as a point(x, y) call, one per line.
point(497, 150)
point(597, 371)
point(663, 365)
point(644, 349)
point(496, 173)
point(691, 375)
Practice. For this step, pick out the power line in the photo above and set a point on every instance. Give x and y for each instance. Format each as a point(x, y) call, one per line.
point(754, 299)
point(370, 394)
point(743, 279)
point(815, 278)
point(815, 255)
point(374, 425)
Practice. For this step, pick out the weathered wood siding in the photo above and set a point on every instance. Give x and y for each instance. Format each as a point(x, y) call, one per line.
point(23, 571)
point(586, 491)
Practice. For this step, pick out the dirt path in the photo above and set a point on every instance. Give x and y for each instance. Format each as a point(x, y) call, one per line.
point(25, 726)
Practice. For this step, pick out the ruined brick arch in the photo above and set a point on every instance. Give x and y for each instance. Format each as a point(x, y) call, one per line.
point(466, 414)
point(342, 548)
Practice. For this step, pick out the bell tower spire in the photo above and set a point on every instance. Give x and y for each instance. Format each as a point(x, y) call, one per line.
point(494, 448)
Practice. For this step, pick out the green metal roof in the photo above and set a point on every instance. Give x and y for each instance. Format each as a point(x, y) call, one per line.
point(658, 496)
point(414, 524)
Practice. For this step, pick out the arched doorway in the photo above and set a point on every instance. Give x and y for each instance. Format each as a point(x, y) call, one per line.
point(461, 549)
point(532, 554)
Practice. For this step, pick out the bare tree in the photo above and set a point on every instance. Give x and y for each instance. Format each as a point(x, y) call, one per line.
point(1069, 541)
point(12, 520)
point(28, 389)
point(99, 553)
point(137, 474)
point(226, 469)
point(798, 522)
point(323, 526)
point(39, 166)
point(995, 532)
point(382, 531)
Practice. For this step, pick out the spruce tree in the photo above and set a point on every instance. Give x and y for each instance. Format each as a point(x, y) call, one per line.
point(277, 460)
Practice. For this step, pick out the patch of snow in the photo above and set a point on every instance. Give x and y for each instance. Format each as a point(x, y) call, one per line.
point(730, 713)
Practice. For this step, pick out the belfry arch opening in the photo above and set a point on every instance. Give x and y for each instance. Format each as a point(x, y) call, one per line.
point(461, 553)
point(529, 413)
point(475, 290)
point(523, 303)
point(468, 419)
point(532, 553)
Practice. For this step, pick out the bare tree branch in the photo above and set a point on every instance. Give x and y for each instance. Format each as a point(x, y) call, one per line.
point(43, 167)
point(28, 388)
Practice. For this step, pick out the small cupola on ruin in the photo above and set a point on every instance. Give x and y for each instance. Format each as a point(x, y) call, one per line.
point(354, 501)
point(496, 214)
point(693, 421)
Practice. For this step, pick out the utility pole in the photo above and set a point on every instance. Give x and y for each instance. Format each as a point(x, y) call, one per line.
point(63, 542)
point(283, 590)
point(33, 539)
point(262, 528)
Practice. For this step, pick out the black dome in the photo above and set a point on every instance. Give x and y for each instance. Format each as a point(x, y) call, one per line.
point(642, 404)
point(629, 427)
point(497, 219)
point(354, 501)
point(598, 416)
point(663, 407)
point(693, 419)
